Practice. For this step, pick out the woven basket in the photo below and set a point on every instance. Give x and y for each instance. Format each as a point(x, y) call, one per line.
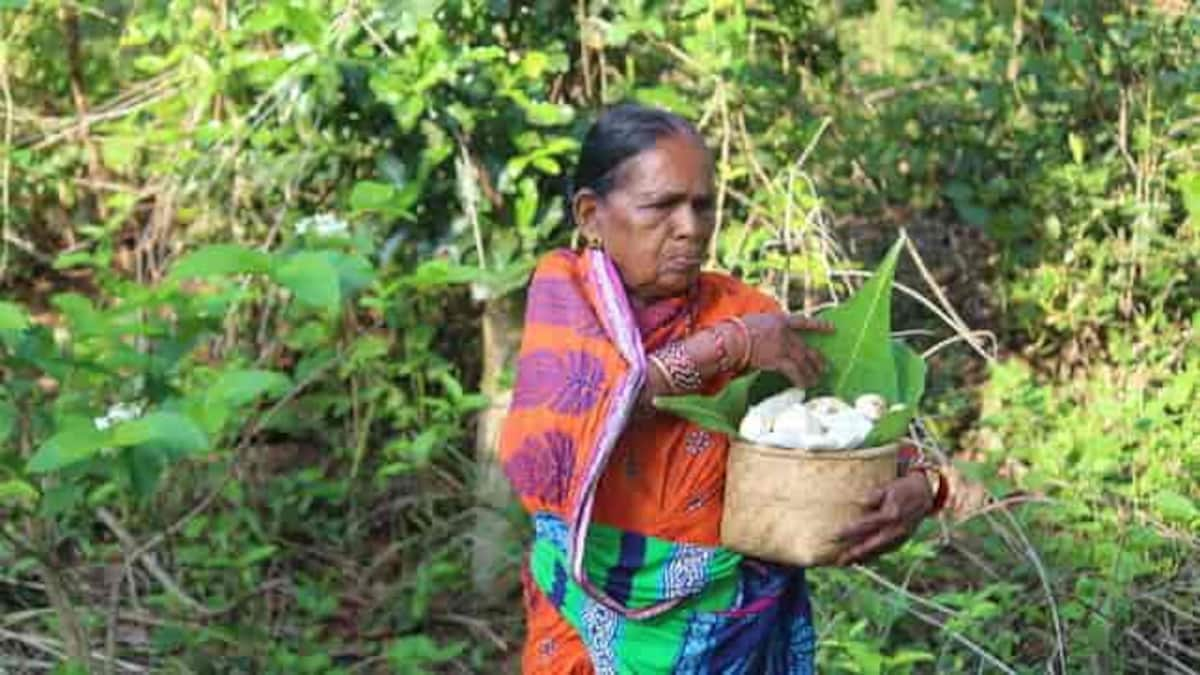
point(785, 506)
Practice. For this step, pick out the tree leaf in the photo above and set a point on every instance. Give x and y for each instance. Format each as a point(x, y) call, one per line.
point(240, 387)
point(12, 316)
point(723, 412)
point(440, 272)
point(312, 279)
point(1176, 506)
point(221, 260)
point(171, 431)
point(74, 443)
point(910, 384)
point(145, 464)
point(354, 271)
point(858, 353)
point(18, 492)
point(373, 196)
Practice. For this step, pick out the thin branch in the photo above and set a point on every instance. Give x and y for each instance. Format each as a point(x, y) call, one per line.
point(906, 88)
point(962, 337)
point(860, 274)
point(147, 559)
point(1032, 554)
point(936, 623)
point(723, 172)
point(55, 649)
point(957, 324)
point(812, 143)
point(96, 118)
point(1183, 667)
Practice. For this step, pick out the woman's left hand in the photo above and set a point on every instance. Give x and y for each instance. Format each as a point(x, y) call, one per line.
point(894, 511)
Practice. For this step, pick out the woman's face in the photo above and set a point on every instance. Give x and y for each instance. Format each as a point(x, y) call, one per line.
point(657, 220)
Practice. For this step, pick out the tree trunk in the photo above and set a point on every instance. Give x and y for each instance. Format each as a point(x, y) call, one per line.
point(493, 541)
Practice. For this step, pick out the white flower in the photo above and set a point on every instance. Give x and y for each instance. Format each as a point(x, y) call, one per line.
point(119, 412)
point(323, 225)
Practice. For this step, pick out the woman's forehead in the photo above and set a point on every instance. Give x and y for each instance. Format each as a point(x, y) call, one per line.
point(675, 163)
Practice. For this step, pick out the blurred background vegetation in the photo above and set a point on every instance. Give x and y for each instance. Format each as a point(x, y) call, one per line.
point(261, 271)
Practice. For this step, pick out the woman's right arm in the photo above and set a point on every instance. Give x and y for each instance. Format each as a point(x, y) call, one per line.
point(769, 341)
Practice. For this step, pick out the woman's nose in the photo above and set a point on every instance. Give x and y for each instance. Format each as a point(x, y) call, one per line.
point(689, 223)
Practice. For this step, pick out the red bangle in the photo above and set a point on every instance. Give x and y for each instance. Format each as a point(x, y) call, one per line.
point(942, 494)
point(741, 326)
point(723, 364)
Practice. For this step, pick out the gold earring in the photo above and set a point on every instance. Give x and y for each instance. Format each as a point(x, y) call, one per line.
point(595, 243)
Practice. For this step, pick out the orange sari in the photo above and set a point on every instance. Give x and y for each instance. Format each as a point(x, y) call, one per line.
point(627, 503)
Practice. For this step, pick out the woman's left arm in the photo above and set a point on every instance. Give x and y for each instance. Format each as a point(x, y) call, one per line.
point(894, 511)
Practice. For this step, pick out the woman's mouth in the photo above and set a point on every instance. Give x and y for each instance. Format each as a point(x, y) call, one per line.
point(684, 263)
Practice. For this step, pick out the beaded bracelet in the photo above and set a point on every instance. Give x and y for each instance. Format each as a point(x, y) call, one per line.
point(678, 367)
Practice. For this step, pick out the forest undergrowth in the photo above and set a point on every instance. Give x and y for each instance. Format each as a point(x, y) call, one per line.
point(260, 281)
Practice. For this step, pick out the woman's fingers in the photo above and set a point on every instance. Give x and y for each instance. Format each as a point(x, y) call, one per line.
point(792, 372)
point(883, 541)
point(807, 323)
point(808, 360)
point(814, 360)
point(865, 526)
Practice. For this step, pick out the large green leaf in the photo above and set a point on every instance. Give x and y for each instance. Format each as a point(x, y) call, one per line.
point(723, 411)
point(74, 443)
point(858, 353)
point(354, 271)
point(372, 196)
point(221, 260)
point(312, 278)
point(910, 383)
point(12, 317)
point(239, 388)
point(861, 359)
point(171, 431)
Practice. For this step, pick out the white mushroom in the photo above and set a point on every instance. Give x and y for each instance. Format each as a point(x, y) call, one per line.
point(826, 406)
point(755, 426)
point(872, 406)
point(798, 421)
point(847, 429)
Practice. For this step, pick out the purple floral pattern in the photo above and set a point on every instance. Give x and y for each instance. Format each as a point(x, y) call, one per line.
point(696, 442)
point(541, 468)
point(570, 385)
point(556, 302)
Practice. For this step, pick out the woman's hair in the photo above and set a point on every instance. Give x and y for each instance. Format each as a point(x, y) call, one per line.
point(620, 133)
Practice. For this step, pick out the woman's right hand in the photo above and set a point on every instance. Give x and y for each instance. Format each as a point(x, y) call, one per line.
point(776, 344)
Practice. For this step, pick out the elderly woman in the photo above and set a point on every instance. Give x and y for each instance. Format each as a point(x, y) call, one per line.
point(626, 573)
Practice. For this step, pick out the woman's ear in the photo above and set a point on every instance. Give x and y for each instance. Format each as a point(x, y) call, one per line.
point(585, 209)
